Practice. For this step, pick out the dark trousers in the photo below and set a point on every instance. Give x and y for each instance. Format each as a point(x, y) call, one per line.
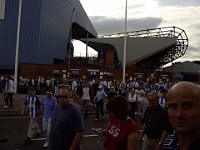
point(85, 105)
point(99, 106)
point(9, 99)
point(133, 108)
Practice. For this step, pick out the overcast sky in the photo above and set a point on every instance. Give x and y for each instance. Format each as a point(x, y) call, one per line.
point(107, 16)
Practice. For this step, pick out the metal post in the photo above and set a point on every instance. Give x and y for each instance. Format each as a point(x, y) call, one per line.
point(17, 47)
point(124, 60)
point(69, 58)
point(87, 46)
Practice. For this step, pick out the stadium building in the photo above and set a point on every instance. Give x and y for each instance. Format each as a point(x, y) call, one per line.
point(48, 26)
point(45, 30)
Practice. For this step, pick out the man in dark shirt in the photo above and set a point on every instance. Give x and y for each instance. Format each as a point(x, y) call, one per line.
point(112, 93)
point(110, 96)
point(156, 124)
point(183, 103)
point(67, 126)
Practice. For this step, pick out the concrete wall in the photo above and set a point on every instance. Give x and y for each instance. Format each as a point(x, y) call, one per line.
point(187, 67)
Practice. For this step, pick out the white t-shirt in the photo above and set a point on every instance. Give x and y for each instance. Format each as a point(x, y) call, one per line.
point(10, 86)
point(139, 93)
point(162, 102)
point(86, 93)
point(132, 99)
point(74, 85)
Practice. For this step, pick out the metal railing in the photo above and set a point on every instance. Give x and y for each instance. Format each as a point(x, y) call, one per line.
point(176, 51)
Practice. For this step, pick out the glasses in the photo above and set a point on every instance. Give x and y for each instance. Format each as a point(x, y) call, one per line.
point(151, 100)
point(64, 97)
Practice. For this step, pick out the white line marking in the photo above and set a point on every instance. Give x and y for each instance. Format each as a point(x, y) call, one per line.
point(92, 135)
point(39, 139)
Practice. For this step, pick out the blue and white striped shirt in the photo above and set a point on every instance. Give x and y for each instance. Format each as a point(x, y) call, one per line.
point(33, 104)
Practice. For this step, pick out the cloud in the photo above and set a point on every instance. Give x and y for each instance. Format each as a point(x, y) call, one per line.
point(149, 14)
point(186, 18)
point(180, 3)
point(106, 26)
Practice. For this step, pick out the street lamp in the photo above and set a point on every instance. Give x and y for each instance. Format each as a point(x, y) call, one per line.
point(124, 59)
point(68, 72)
point(17, 47)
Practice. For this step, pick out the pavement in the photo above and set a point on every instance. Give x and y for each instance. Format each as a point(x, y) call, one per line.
point(18, 100)
point(13, 127)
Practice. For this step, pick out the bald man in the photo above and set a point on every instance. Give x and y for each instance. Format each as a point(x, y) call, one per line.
point(183, 103)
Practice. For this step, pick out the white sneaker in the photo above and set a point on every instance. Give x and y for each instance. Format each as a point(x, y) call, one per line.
point(45, 145)
point(6, 106)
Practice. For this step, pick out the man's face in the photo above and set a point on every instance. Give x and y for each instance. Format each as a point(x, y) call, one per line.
point(31, 92)
point(153, 100)
point(164, 94)
point(86, 84)
point(184, 110)
point(64, 97)
point(49, 95)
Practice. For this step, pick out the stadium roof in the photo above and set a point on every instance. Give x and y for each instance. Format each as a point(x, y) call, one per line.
point(153, 47)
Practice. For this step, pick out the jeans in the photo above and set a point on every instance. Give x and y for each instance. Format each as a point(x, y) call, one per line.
point(85, 104)
point(46, 124)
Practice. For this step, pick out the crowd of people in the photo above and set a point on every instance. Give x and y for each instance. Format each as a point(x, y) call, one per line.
point(169, 113)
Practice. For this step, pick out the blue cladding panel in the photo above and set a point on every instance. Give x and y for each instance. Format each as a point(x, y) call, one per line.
point(44, 32)
point(55, 27)
point(29, 33)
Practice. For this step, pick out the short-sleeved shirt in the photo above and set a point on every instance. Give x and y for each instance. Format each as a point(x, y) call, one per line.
point(156, 121)
point(162, 102)
point(118, 133)
point(144, 104)
point(10, 86)
point(86, 93)
point(65, 123)
point(33, 104)
point(139, 93)
point(74, 85)
point(48, 104)
point(101, 95)
point(111, 95)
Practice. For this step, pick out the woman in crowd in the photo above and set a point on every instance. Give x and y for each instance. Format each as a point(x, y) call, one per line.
point(133, 101)
point(85, 98)
point(122, 131)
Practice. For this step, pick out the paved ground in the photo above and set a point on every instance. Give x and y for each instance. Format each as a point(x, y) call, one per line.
point(14, 127)
point(18, 100)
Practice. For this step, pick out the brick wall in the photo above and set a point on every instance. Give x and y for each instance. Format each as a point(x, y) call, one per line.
point(36, 70)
